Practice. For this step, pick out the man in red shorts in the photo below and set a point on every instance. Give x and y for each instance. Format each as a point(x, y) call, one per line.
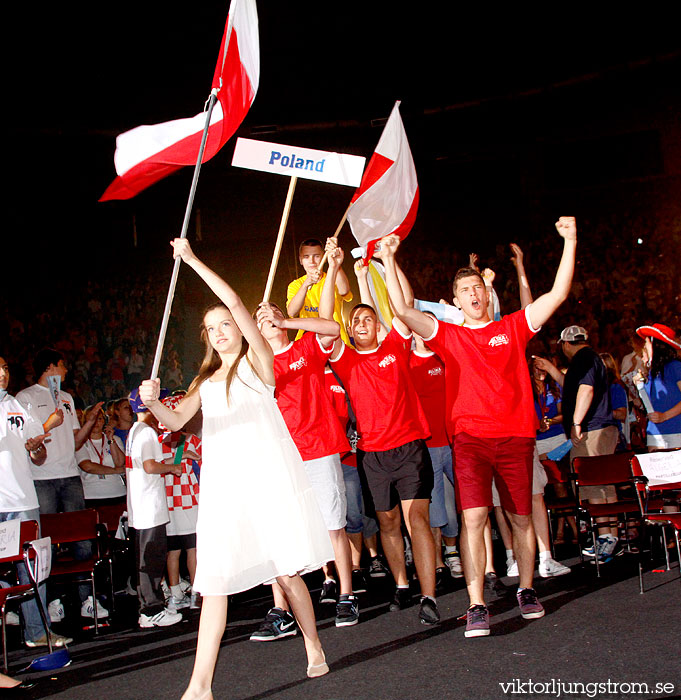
point(489, 413)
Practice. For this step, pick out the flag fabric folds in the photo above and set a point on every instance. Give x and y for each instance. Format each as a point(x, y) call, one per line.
point(147, 154)
point(388, 196)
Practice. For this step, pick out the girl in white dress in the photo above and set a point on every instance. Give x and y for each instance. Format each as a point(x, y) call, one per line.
point(248, 460)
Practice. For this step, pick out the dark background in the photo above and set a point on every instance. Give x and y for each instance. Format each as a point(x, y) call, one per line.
point(514, 118)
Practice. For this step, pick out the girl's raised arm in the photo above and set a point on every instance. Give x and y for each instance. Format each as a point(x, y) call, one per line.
point(260, 350)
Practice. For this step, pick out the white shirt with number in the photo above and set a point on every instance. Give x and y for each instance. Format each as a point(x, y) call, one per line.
point(17, 424)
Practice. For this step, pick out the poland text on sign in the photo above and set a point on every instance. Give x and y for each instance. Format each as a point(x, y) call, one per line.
point(294, 161)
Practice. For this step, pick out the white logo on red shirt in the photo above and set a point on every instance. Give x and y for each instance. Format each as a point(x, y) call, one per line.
point(298, 364)
point(337, 388)
point(501, 339)
point(435, 371)
point(387, 360)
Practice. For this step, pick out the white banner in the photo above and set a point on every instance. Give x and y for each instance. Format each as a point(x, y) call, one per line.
point(9, 538)
point(661, 467)
point(43, 562)
point(294, 161)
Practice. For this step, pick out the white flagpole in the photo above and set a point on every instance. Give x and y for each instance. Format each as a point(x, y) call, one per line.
point(190, 202)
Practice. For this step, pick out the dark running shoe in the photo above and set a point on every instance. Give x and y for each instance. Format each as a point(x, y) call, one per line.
point(442, 576)
point(530, 607)
point(347, 611)
point(359, 582)
point(401, 599)
point(329, 592)
point(428, 613)
point(494, 585)
point(277, 624)
point(477, 621)
point(377, 569)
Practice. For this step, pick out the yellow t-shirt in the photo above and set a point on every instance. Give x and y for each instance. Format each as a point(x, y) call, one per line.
point(311, 304)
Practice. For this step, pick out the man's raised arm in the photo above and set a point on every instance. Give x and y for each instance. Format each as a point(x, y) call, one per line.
point(415, 320)
point(543, 308)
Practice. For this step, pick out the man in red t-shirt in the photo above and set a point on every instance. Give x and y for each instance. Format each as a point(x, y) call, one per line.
point(490, 412)
point(305, 405)
point(391, 449)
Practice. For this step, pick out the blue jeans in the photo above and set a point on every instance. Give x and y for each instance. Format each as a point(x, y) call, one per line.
point(442, 505)
point(356, 521)
point(33, 624)
point(65, 496)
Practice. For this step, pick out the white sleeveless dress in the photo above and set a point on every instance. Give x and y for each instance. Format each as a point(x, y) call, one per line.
point(258, 516)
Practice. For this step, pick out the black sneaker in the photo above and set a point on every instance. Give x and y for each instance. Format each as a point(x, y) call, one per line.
point(442, 576)
point(329, 592)
point(277, 624)
point(428, 613)
point(377, 569)
point(359, 582)
point(347, 611)
point(401, 600)
point(495, 585)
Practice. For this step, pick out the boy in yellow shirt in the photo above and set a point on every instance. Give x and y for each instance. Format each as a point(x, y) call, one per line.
point(304, 293)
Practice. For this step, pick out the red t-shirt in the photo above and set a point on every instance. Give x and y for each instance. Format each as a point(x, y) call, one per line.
point(428, 375)
point(383, 396)
point(339, 402)
point(303, 399)
point(488, 384)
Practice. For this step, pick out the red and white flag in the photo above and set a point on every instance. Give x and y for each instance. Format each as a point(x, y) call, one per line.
point(388, 196)
point(149, 153)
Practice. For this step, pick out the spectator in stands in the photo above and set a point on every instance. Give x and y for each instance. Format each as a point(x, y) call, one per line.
point(663, 384)
point(57, 481)
point(21, 448)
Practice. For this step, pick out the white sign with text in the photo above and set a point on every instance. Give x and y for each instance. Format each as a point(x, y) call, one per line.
point(295, 161)
point(661, 467)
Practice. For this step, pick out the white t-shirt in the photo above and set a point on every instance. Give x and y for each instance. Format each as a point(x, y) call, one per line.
point(147, 505)
point(100, 485)
point(17, 424)
point(61, 447)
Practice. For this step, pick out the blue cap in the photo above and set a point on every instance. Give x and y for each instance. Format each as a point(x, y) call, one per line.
point(136, 402)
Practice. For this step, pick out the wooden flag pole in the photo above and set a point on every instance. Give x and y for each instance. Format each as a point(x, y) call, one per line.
point(335, 235)
point(280, 239)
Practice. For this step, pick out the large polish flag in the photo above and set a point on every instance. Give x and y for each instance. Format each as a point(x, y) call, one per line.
point(147, 154)
point(387, 199)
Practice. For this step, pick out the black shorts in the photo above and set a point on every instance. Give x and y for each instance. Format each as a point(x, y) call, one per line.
point(403, 473)
point(176, 542)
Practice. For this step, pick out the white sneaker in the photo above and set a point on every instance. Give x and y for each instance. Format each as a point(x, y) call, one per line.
point(176, 603)
point(610, 545)
point(195, 602)
point(12, 618)
point(512, 568)
point(453, 561)
point(165, 618)
point(165, 589)
point(185, 586)
point(55, 610)
point(88, 610)
point(551, 567)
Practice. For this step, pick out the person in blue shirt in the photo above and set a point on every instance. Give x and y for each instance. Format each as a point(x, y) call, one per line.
point(663, 384)
point(618, 401)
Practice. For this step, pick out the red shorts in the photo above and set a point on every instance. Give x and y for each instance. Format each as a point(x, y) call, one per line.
point(507, 460)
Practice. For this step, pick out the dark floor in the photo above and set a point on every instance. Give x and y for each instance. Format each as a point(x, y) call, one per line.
point(595, 631)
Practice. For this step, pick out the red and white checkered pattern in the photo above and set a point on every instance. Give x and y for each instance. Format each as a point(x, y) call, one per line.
point(182, 491)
